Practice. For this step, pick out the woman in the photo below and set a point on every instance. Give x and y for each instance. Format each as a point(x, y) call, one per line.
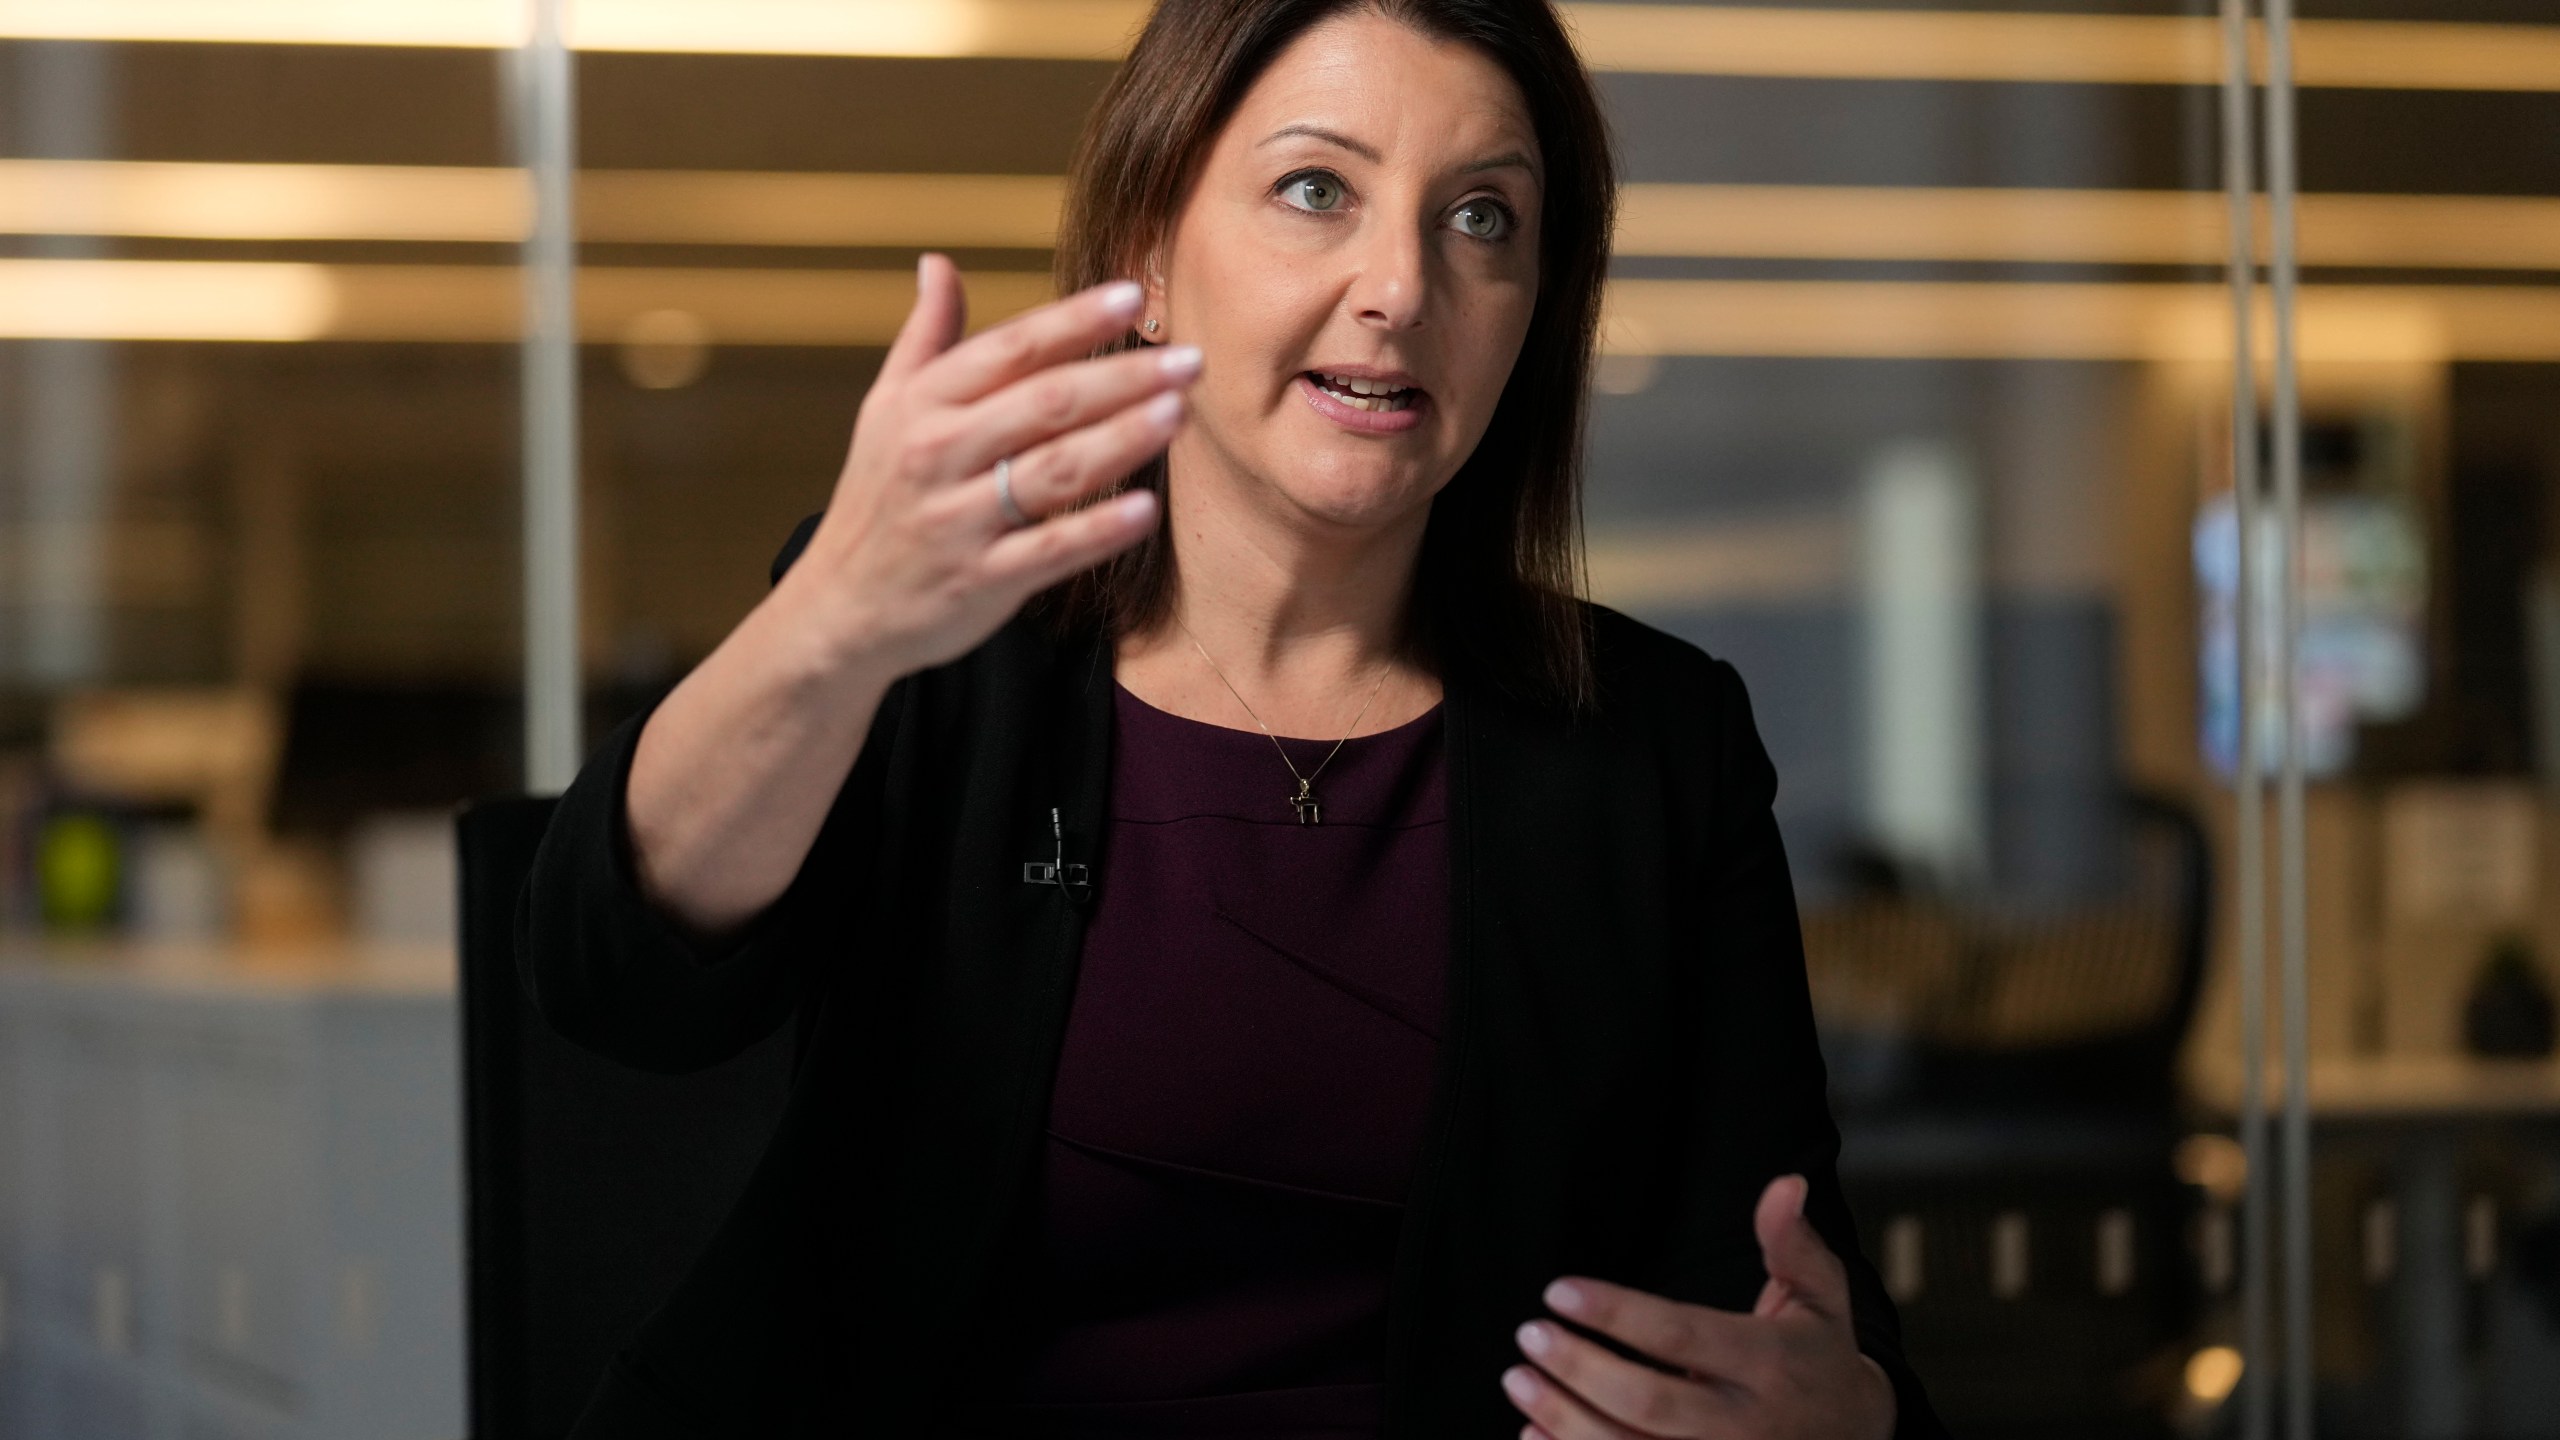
point(1269, 962)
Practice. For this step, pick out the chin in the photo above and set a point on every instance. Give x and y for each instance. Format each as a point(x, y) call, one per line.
point(1360, 496)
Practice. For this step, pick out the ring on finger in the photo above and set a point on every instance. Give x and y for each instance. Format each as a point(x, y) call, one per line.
point(1012, 508)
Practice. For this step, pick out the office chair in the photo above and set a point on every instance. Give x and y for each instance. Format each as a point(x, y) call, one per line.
point(2010, 1117)
point(591, 1186)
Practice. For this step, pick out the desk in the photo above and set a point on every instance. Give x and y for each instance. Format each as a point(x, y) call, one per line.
point(2423, 1110)
point(230, 1194)
point(2386, 1087)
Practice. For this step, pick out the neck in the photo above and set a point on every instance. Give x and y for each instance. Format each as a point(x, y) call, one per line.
point(1300, 613)
point(1259, 596)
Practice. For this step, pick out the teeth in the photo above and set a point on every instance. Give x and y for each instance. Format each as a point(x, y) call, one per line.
point(1358, 386)
point(1362, 394)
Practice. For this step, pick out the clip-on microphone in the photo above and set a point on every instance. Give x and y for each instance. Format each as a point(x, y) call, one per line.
point(1068, 878)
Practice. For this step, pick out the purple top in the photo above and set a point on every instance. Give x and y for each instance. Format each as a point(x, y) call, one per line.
point(1247, 1064)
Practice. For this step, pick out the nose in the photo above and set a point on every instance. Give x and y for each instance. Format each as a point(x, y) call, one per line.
point(1391, 288)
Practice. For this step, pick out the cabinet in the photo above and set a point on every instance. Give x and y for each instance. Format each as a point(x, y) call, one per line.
point(230, 1199)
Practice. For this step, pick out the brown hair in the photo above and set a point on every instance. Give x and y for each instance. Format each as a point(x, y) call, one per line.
point(1498, 582)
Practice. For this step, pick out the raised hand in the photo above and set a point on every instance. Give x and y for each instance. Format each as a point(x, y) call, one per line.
point(917, 559)
point(1789, 1369)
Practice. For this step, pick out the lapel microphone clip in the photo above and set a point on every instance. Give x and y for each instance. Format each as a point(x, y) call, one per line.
point(1074, 881)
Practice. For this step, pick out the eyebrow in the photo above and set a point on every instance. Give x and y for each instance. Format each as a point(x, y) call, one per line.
point(1331, 137)
point(1508, 160)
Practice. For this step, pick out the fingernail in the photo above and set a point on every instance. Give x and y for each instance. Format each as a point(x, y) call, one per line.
point(1180, 361)
point(1565, 1297)
point(1165, 409)
point(1535, 1339)
point(1137, 504)
point(1121, 297)
point(1520, 1384)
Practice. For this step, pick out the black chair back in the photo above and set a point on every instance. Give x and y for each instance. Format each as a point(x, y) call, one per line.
point(591, 1186)
point(2083, 1005)
point(2011, 1159)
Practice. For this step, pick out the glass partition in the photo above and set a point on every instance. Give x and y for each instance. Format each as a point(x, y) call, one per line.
point(259, 634)
point(1922, 415)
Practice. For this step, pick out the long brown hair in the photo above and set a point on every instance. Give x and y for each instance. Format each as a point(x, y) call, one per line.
point(1498, 583)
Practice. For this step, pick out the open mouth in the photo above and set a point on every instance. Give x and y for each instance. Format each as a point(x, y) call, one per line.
point(1365, 394)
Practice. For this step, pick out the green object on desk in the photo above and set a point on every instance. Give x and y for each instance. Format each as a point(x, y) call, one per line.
point(79, 869)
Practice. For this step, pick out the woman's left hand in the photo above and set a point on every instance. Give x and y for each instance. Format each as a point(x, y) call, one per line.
point(1791, 1368)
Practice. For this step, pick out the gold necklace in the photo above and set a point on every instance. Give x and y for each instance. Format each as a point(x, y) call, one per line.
point(1304, 802)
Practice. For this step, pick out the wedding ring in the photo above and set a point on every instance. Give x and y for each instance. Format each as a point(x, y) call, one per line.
point(1004, 493)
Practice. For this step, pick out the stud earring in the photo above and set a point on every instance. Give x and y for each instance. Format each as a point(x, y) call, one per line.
point(1153, 327)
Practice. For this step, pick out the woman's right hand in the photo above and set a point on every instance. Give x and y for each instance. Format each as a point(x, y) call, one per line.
point(914, 564)
point(916, 561)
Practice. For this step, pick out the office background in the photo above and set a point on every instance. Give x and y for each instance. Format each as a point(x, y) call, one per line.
point(1915, 407)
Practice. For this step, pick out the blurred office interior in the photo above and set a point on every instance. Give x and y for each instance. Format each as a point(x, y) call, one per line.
point(1916, 406)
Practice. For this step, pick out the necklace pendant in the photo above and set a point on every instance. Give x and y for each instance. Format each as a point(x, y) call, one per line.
point(1309, 813)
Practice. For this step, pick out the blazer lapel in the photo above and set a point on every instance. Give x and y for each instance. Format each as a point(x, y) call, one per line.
point(1011, 947)
point(1555, 858)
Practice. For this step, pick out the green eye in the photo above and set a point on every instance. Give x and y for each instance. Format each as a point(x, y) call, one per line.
point(1315, 192)
point(1483, 220)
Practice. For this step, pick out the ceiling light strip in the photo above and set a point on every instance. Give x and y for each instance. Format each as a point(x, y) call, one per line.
point(2055, 226)
point(68, 299)
point(1915, 320)
point(1770, 41)
point(933, 29)
point(735, 306)
point(1994, 320)
point(1779, 42)
point(218, 201)
point(200, 201)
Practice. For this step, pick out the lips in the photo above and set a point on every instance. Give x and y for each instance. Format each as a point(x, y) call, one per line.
point(1365, 399)
point(1361, 392)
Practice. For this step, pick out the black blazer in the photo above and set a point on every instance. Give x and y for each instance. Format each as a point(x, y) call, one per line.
point(1630, 1055)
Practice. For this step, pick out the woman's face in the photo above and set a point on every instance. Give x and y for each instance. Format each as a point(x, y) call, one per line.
point(1367, 222)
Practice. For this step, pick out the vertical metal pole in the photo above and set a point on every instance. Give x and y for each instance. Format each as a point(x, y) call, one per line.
point(65, 441)
point(546, 115)
point(2292, 911)
point(2249, 783)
